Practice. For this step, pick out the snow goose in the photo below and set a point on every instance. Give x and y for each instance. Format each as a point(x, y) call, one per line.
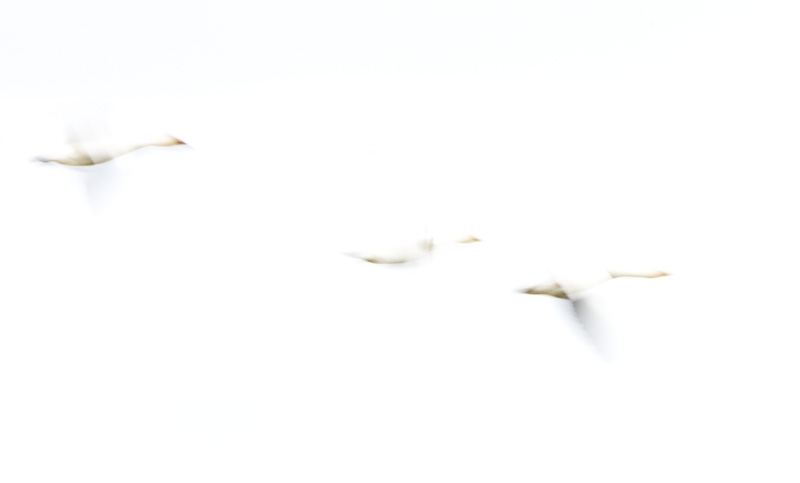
point(555, 289)
point(89, 153)
point(411, 252)
point(576, 295)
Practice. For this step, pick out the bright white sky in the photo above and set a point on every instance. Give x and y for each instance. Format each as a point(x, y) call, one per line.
point(187, 314)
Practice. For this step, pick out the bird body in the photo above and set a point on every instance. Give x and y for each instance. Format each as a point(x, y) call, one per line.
point(554, 289)
point(90, 153)
point(577, 296)
point(559, 290)
point(412, 252)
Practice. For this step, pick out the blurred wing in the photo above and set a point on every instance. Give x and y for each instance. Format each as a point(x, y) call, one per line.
point(89, 126)
point(586, 320)
point(102, 182)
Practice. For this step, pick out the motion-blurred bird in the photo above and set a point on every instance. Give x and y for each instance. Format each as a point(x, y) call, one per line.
point(577, 296)
point(412, 252)
point(89, 153)
point(555, 289)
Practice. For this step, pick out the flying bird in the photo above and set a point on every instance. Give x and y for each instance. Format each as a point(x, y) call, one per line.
point(89, 153)
point(555, 289)
point(577, 296)
point(411, 252)
point(91, 142)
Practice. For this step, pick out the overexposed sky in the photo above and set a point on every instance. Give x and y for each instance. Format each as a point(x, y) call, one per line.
point(188, 314)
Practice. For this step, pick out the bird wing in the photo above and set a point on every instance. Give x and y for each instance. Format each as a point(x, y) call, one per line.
point(584, 316)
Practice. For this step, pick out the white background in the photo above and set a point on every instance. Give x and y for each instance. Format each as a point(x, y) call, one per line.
point(186, 314)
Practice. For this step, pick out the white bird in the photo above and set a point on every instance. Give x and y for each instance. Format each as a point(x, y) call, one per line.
point(577, 294)
point(412, 252)
point(89, 153)
point(555, 289)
